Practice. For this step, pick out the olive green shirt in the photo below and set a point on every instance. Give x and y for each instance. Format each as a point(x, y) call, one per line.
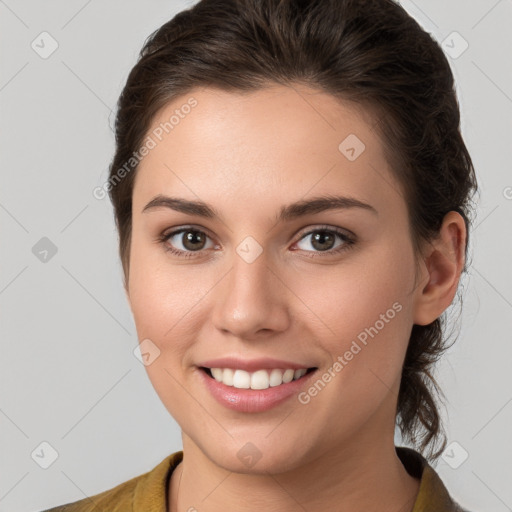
point(148, 492)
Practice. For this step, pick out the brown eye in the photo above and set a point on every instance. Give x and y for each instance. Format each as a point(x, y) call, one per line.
point(323, 240)
point(185, 241)
point(193, 240)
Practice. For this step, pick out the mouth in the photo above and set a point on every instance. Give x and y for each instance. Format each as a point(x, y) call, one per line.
point(257, 380)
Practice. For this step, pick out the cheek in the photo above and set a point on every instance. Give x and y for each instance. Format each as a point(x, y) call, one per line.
point(163, 301)
point(362, 313)
point(161, 294)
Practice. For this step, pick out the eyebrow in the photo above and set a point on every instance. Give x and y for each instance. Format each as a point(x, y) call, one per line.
point(289, 212)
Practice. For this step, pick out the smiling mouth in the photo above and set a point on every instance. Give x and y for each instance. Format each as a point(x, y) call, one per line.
point(259, 380)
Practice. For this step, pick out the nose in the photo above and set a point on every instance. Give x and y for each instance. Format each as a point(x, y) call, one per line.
point(251, 302)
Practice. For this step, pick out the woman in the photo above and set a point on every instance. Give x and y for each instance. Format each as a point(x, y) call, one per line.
point(292, 195)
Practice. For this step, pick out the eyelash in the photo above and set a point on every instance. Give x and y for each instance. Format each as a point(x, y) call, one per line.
point(348, 242)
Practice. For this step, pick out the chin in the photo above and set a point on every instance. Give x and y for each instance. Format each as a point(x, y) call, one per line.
point(256, 458)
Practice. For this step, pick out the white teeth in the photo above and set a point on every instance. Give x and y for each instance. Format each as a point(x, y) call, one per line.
point(299, 373)
point(217, 373)
point(288, 375)
point(276, 377)
point(241, 380)
point(227, 376)
point(260, 379)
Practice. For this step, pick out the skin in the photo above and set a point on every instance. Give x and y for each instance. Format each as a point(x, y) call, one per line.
point(247, 155)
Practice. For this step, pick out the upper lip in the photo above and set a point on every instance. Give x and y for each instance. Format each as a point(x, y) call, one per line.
point(250, 365)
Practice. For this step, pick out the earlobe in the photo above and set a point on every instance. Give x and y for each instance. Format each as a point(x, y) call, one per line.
point(443, 263)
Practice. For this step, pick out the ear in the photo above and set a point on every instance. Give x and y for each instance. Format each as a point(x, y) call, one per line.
point(441, 268)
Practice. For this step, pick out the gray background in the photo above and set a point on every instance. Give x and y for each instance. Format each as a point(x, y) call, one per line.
point(68, 373)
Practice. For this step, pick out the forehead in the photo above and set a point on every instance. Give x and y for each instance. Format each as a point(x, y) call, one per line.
point(263, 144)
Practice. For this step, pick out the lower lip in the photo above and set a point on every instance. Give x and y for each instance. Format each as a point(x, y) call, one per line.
point(253, 400)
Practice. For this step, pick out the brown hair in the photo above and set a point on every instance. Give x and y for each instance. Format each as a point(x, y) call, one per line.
point(370, 52)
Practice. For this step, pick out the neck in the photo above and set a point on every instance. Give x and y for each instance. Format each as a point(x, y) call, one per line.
point(360, 476)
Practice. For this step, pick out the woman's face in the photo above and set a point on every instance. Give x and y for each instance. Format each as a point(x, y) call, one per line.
point(259, 274)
